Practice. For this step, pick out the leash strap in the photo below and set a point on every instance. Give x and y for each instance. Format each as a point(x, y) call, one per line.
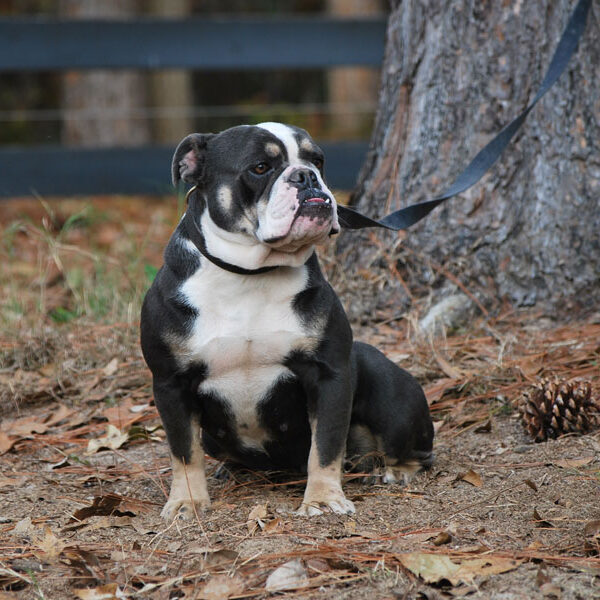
point(405, 217)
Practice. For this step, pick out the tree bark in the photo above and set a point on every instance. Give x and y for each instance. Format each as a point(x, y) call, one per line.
point(352, 90)
point(529, 232)
point(171, 89)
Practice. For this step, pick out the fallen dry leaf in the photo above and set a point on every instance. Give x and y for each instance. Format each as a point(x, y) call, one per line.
point(220, 558)
point(442, 538)
point(541, 576)
point(104, 523)
point(551, 590)
point(222, 587)
point(6, 442)
point(144, 530)
point(546, 585)
point(124, 413)
point(532, 365)
point(273, 525)
point(154, 433)
point(592, 527)
point(84, 561)
point(318, 565)
point(290, 576)
point(574, 463)
point(430, 567)
point(433, 568)
point(102, 506)
point(50, 545)
point(111, 368)
point(462, 590)
point(256, 518)
point(110, 591)
point(419, 538)
point(26, 426)
point(58, 413)
point(485, 427)
point(113, 440)
point(540, 522)
point(9, 481)
point(212, 557)
point(435, 391)
point(471, 477)
point(23, 527)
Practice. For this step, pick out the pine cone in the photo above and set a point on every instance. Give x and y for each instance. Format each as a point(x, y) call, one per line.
point(553, 408)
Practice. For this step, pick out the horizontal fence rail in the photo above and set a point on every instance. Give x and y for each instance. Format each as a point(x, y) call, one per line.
point(58, 171)
point(194, 43)
point(211, 43)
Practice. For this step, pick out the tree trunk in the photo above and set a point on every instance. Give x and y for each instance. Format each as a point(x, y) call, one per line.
point(529, 232)
point(352, 90)
point(171, 89)
point(100, 106)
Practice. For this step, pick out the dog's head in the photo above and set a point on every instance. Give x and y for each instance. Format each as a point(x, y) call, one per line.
point(263, 198)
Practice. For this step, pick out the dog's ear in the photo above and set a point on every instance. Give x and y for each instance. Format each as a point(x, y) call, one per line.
point(189, 158)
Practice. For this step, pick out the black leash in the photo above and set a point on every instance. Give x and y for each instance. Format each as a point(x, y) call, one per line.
point(405, 217)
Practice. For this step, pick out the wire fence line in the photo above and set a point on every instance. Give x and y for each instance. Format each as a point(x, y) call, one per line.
point(183, 112)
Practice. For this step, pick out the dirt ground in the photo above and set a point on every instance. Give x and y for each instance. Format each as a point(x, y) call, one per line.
point(84, 467)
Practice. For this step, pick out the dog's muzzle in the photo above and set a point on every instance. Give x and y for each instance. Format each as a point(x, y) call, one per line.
point(311, 197)
point(300, 210)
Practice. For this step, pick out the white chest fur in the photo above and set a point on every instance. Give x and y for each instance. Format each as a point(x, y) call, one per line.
point(245, 327)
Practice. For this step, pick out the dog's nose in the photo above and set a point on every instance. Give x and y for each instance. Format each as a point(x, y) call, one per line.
point(304, 179)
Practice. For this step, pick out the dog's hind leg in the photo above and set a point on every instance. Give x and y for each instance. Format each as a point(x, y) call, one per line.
point(390, 417)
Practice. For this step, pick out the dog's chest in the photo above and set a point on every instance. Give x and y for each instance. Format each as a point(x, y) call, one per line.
point(244, 329)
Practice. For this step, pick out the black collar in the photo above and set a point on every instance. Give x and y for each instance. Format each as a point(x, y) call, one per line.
point(197, 238)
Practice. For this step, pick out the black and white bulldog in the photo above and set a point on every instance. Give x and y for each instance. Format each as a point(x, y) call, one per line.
point(250, 349)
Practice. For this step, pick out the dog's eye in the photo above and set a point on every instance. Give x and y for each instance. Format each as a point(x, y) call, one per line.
point(318, 162)
point(261, 168)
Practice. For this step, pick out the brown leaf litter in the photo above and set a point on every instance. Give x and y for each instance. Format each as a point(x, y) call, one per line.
point(495, 510)
point(498, 516)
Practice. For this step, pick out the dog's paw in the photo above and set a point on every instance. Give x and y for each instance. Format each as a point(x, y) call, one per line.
point(184, 509)
point(338, 505)
point(392, 476)
point(401, 474)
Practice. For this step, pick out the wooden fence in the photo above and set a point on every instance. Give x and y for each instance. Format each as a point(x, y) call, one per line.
point(41, 44)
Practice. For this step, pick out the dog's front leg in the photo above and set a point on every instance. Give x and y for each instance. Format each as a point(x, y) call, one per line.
point(189, 492)
point(329, 421)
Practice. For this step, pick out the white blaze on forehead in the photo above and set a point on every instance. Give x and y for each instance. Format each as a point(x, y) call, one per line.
point(287, 136)
point(279, 223)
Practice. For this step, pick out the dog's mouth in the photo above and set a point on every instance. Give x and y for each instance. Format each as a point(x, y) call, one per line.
point(314, 205)
point(313, 197)
point(313, 202)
